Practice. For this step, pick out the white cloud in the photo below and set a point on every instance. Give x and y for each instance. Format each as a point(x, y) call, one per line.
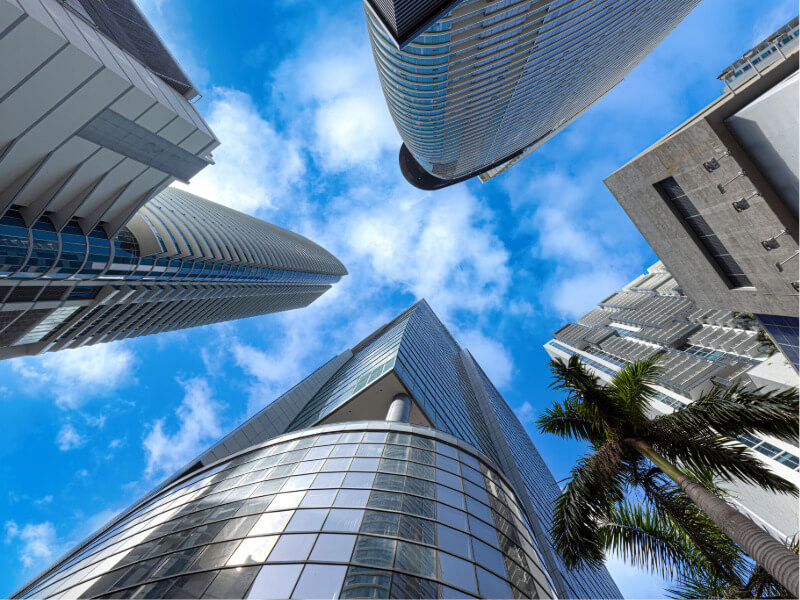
point(779, 14)
point(576, 295)
point(43, 500)
point(199, 424)
point(38, 542)
point(76, 375)
point(490, 354)
point(441, 248)
point(255, 165)
point(339, 98)
point(68, 438)
point(526, 413)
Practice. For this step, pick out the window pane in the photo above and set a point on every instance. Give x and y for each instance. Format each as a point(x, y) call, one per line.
point(491, 586)
point(231, 583)
point(343, 519)
point(214, 556)
point(320, 581)
point(328, 480)
point(292, 547)
point(453, 541)
point(253, 550)
point(374, 551)
point(284, 501)
point(359, 480)
point(318, 498)
point(307, 520)
point(352, 498)
point(272, 522)
point(458, 572)
point(274, 581)
point(332, 547)
point(488, 557)
point(363, 582)
point(451, 516)
point(416, 559)
point(449, 496)
point(379, 522)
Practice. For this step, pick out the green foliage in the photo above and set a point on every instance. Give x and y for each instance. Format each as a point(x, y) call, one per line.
point(665, 531)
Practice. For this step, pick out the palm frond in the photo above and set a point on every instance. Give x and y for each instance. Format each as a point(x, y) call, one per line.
point(738, 411)
point(633, 386)
point(724, 457)
point(596, 485)
point(585, 390)
point(648, 540)
point(567, 420)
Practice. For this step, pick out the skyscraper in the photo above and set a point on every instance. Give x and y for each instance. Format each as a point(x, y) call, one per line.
point(698, 348)
point(394, 470)
point(717, 197)
point(475, 86)
point(95, 120)
point(181, 261)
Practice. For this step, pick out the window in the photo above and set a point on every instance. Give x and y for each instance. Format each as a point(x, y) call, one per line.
point(671, 191)
point(320, 581)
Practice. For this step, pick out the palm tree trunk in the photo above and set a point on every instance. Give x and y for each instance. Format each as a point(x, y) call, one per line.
point(776, 559)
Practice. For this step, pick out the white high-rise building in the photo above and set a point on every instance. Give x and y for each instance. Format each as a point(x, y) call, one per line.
point(698, 349)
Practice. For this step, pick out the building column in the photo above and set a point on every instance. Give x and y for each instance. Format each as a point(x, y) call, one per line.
point(399, 409)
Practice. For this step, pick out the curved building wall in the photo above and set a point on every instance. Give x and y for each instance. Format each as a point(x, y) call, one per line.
point(491, 78)
point(367, 509)
point(182, 261)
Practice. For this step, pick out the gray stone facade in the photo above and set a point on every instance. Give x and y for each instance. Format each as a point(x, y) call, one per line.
point(735, 198)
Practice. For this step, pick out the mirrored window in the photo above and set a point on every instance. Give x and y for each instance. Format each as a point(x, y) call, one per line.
point(320, 581)
point(275, 582)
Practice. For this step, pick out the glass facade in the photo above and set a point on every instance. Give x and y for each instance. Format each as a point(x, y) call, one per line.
point(488, 80)
point(784, 332)
point(188, 261)
point(295, 504)
point(348, 511)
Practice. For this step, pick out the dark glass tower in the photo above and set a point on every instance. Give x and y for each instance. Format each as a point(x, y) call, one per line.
point(394, 470)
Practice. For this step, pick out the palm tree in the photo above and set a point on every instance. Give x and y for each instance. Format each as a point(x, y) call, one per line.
point(665, 532)
point(626, 442)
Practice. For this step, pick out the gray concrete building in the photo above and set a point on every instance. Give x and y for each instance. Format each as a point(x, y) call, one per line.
point(395, 470)
point(96, 120)
point(717, 198)
point(475, 86)
point(697, 348)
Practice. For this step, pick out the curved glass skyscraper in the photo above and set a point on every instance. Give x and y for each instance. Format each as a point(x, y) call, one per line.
point(395, 470)
point(474, 86)
point(181, 261)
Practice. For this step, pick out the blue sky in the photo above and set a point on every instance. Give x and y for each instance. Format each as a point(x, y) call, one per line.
point(307, 143)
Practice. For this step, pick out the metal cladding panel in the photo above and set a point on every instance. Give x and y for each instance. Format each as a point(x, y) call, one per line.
point(405, 18)
point(121, 21)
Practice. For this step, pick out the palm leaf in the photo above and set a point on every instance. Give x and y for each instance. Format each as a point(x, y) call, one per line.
point(737, 411)
point(595, 486)
point(567, 421)
point(650, 541)
point(633, 386)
